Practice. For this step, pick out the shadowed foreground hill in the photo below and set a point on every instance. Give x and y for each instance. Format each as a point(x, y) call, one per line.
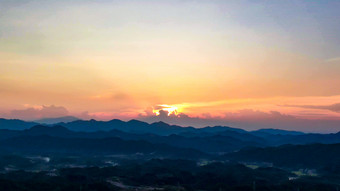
point(46, 144)
point(53, 145)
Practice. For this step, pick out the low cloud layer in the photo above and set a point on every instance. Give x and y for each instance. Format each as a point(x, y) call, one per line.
point(250, 120)
point(33, 113)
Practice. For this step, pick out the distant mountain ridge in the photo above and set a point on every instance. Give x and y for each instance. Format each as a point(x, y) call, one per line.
point(64, 119)
point(132, 126)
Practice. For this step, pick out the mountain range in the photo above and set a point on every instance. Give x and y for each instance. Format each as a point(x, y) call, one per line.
point(208, 140)
point(132, 126)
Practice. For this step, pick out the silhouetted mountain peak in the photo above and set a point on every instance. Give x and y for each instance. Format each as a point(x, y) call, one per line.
point(36, 127)
point(115, 120)
point(137, 122)
point(221, 128)
point(160, 123)
point(278, 132)
point(41, 129)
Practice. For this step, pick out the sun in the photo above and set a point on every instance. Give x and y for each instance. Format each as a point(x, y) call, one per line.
point(171, 109)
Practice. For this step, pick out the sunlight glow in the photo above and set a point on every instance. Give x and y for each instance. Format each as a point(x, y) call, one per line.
point(171, 109)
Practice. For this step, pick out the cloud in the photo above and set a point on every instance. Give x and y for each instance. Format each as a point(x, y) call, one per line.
point(246, 115)
point(333, 107)
point(33, 113)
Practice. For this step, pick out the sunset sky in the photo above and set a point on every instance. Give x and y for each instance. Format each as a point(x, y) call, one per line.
point(249, 64)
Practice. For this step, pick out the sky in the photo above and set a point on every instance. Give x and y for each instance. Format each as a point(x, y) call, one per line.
point(248, 64)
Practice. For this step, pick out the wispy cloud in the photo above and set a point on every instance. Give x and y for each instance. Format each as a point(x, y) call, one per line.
point(333, 107)
point(335, 59)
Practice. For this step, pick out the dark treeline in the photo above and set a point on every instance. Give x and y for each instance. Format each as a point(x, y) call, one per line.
point(164, 174)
